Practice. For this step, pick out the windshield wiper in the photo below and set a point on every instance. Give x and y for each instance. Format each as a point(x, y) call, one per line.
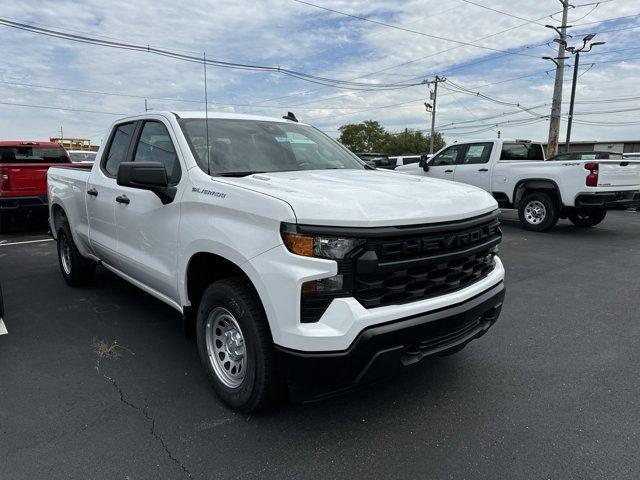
point(237, 174)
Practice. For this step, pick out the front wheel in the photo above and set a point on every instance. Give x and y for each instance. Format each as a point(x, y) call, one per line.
point(538, 211)
point(235, 346)
point(587, 218)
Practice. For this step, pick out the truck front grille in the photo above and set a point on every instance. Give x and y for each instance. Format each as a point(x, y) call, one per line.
point(407, 269)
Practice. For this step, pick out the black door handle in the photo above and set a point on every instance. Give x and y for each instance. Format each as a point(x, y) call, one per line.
point(93, 192)
point(123, 199)
point(448, 171)
point(483, 170)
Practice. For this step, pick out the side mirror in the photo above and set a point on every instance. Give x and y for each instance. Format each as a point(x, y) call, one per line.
point(424, 163)
point(147, 176)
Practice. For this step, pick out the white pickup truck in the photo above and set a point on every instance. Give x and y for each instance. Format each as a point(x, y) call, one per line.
point(293, 262)
point(516, 173)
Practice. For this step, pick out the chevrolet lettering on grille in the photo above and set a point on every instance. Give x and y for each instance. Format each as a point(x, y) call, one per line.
point(416, 246)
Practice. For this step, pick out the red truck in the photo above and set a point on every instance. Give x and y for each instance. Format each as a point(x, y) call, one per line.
point(23, 175)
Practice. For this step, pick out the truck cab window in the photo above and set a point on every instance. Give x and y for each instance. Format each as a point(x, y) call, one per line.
point(118, 149)
point(522, 151)
point(446, 157)
point(155, 145)
point(477, 153)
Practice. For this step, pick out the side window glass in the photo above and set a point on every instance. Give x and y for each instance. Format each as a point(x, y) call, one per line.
point(155, 145)
point(477, 153)
point(118, 149)
point(446, 157)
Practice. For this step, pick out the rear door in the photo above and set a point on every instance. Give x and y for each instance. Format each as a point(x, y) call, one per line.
point(443, 164)
point(102, 191)
point(147, 229)
point(473, 165)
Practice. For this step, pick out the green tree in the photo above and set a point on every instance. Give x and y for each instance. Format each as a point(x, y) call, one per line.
point(411, 142)
point(366, 137)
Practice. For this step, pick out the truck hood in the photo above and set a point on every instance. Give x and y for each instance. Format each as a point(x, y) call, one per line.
point(369, 198)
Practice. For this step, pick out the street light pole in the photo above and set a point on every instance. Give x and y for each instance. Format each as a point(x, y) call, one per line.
point(576, 52)
point(576, 62)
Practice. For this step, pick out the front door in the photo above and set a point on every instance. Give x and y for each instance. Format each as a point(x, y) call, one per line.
point(102, 192)
point(147, 229)
point(443, 164)
point(473, 165)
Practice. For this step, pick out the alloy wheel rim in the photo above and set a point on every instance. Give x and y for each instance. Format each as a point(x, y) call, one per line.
point(226, 347)
point(535, 212)
point(65, 255)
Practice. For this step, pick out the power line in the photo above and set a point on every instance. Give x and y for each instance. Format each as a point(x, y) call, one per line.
point(65, 109)
point(336, 83)
point(501, 12)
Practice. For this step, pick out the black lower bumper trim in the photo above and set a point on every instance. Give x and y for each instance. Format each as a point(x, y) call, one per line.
point(382, 350)
point(609, 200)
point(22, 203)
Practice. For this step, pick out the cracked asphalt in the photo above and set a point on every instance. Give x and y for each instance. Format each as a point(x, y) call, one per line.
point(550, 392)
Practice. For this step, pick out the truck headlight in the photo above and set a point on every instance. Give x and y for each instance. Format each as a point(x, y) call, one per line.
point(333, 248)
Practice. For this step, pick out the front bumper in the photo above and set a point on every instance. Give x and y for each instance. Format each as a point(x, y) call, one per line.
point(23, 203)
point(384, 349)
point(609, 200)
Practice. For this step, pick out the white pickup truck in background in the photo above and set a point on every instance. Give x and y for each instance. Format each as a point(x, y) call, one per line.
point(516, 173)
point(293, 262)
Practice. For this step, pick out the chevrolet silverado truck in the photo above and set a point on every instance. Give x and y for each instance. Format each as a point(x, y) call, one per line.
point(298, 267)
point(23, 175)
point(517, 175)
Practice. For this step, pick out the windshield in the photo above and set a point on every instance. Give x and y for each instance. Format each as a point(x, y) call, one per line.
point(82, 156)
point(242, 147)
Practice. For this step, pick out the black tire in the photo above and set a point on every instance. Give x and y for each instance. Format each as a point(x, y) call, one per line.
point(538, 211)
point(587, 218)
point(5, 222)
point(76, 270)
point(261, 384)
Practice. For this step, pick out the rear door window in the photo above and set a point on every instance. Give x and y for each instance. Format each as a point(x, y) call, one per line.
point(155, 145)
point(522, 151)
point(32, 154)
point(118, 149)
point(476, 153)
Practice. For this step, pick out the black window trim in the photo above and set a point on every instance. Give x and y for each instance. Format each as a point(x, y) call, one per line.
point(137, 133)
point(127, 158)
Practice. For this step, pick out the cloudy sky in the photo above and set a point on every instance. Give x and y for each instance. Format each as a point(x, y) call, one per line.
point(496, 51)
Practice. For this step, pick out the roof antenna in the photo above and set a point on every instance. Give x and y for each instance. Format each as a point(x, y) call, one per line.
point(290, 116)
point(206, 109)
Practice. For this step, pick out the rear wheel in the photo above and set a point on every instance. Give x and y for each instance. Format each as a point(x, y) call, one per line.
point(235, 346)
point(76, 270)
point(587, 218)
point(538, 211)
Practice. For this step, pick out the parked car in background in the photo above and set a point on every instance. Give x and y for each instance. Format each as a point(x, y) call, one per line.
point(586, 155)
point(294, 264)
point(377, 160)
point(82, 156)
point(515, 172)
point(23, 175)
point(404, 160)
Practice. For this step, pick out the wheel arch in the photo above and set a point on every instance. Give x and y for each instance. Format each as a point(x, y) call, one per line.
point(536, 185)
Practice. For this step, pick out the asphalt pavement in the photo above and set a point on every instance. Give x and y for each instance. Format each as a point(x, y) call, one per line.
point(99, 382)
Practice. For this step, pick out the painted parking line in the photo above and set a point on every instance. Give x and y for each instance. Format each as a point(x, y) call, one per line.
point(25, 241)
point(3, 328)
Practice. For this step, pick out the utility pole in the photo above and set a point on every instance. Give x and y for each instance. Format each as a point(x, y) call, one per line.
point(576, 63)
point(434, 97)
point(556, 104)
point(145, 105)
point(61, 135)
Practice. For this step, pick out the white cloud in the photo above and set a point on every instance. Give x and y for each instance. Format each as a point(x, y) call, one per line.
point(282, 32)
